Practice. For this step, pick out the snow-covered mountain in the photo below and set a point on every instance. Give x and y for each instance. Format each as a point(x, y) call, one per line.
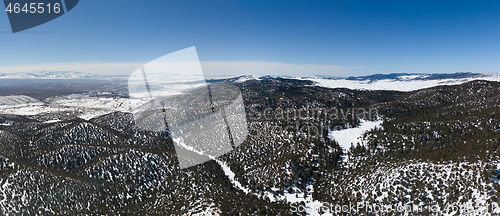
point(82, 105)
point(17, 100)
point(393, 81)
point(403, 81)
point(55, 75)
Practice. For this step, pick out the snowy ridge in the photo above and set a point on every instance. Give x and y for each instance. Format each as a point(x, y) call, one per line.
point(84, 106)
point(17, 100)
point(246, 78)
point(397, 85)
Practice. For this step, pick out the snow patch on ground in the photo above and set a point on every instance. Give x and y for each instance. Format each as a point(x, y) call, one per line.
point(51, 121)
point(352, 136)
point(312, 207)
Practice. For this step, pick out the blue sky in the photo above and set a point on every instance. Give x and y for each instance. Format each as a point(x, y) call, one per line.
point(337, 38)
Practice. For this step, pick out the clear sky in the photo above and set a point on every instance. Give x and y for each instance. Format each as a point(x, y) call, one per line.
point(337, 38)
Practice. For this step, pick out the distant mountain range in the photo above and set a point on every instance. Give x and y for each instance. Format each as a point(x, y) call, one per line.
point(393, 81)
point(56, 75)
point(417, 76)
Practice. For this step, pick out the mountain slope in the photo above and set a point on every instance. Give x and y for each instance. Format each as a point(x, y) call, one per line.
point(435, 146)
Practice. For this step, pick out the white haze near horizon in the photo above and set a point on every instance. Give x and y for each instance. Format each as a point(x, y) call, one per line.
point(211, 68)
point(214, 69)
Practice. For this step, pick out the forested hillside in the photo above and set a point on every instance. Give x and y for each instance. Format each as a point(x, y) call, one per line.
point(434, 146)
